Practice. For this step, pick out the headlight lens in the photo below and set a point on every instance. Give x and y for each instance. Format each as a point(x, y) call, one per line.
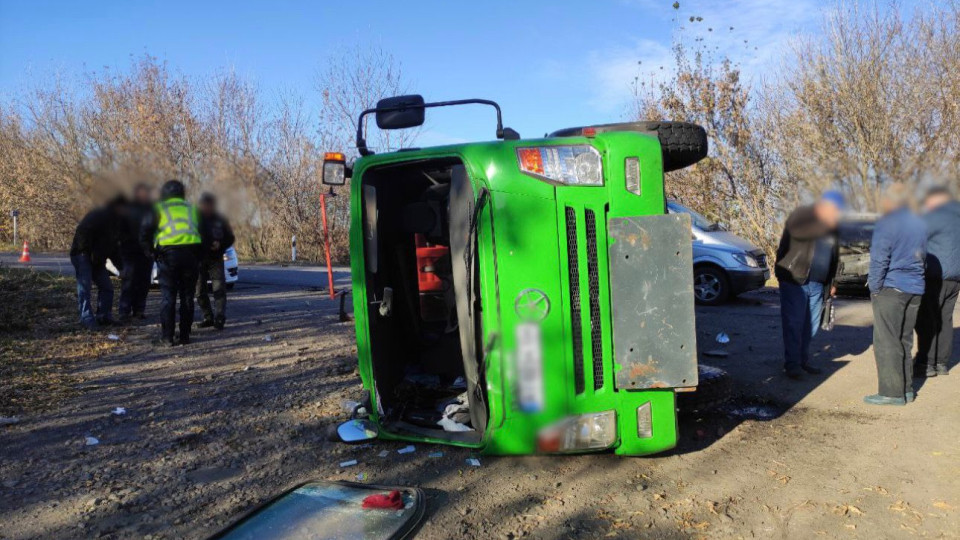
point(746, 260)
point(578, 165)
point(594, 431)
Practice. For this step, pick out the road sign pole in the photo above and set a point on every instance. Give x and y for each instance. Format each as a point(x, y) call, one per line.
point(293, 248)
point(15, 229)
point(326, 243)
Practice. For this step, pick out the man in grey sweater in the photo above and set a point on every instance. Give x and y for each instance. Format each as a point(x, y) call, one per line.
point(935, 320)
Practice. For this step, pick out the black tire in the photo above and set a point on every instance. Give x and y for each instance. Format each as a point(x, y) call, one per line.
point(711, 287)
point(683, 143)
point(714, 388)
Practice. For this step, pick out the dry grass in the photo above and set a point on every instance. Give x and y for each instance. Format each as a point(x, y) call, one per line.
point(40, 340)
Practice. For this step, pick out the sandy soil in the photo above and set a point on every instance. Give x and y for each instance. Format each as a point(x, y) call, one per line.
point(216, 427)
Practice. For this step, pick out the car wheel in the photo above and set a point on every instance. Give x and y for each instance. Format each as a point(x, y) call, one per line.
point(710, 286)
point(714, 388)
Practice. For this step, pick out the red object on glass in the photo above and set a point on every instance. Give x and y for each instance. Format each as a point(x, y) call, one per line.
point(388, 501)
point(427, 258)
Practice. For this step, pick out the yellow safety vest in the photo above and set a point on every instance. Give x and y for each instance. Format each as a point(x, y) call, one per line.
point(178, 225)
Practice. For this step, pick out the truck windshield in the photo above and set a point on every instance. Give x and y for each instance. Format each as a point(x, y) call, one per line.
point(699, 221)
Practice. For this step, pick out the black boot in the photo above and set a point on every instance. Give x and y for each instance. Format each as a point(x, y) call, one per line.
point(207, 322)
point(219, 322)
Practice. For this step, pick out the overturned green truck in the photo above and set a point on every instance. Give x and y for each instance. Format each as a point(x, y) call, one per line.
point(522, 296)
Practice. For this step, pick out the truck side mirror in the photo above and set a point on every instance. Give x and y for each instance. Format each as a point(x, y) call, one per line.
point(334, 169)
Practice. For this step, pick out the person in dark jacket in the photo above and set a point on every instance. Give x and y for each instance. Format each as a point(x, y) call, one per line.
point(217, 237)
point(137, 265)
point(171, 233)
point(806, 266)
point(97, 239)
point(898, 251)
point(935, 321)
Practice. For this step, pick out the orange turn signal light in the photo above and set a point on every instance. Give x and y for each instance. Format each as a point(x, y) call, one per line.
point(334, 156)
point(530, 160)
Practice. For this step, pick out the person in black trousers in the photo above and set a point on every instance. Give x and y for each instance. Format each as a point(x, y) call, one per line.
point(137, 266)
point(935, 322)
point(172, 234)
point(897, 258)
point(217, 237)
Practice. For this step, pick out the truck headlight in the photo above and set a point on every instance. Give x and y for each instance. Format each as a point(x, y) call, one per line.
point(575, 165)
point(593, 431)
point(746, 260)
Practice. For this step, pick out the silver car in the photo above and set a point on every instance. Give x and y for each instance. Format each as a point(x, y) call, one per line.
point(724, 265)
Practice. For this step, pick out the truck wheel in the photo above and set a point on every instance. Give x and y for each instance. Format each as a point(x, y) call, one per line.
point(713, 389)
point(710, 285)
point(683, 143)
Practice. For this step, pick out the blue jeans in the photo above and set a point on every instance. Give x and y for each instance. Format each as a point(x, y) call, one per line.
point(87, 276)
point(800, 307)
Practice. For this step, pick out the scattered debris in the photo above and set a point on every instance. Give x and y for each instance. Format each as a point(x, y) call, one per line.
point(406, 449)
point(436, 454)
point(91, 441)
point(361, 477)
point(473, 462)
point(388, 501)
point(119, 411)
point(113, 337)
point(9, 420)
point(753, 412)
point(383, 453)
point(717, 353)
point(723, 338)
point(348, 463)
point(268, 338)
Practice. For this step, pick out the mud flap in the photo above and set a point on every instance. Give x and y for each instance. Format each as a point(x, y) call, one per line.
point(651, 289)
point(321, 510)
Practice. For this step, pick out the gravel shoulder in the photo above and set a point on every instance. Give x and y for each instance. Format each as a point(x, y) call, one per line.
point(214, 428)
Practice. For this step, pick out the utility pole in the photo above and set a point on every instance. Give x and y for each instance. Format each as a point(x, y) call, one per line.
point(293, 248)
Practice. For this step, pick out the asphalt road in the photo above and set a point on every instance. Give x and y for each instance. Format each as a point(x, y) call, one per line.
point(250, 274)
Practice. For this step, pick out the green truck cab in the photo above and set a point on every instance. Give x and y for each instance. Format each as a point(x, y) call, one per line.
point(522, 296)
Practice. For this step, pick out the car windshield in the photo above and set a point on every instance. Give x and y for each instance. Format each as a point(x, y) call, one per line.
point(699, 221)
point(855, 233)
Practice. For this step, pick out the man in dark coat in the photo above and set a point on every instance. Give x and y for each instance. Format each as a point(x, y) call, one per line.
point(217, 237)
point(172, 234)
point(137, 265)
point(935, 320)
point(806, 266)
point(97, 239)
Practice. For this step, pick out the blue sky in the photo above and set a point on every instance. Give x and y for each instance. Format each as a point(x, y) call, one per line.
point(549, 64)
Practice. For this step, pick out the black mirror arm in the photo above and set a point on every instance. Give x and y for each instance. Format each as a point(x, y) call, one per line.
point(502, 133)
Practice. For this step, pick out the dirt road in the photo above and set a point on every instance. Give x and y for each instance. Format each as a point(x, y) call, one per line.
point(213, 428)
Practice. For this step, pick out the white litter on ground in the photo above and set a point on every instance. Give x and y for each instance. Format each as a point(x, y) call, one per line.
point(722, 337)
point(119, 411)
point(473, 461)
point(406, 449)
point(90, 441)
point(268, 338)
point(383, 453)
point(113, 337)
point(9, 420)
point(348, 463)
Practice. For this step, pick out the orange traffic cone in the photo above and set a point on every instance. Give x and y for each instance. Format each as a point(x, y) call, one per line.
point(25, 254)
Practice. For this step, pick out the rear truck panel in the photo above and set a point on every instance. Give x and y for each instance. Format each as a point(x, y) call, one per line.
point(540, 240)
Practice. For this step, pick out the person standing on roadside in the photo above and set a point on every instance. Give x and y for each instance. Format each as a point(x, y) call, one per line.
point(897, 254)
point(171, 233)
point(217, 237)
point(806, 265)
point(935, 320)
point(97, 239)
point(137, 266)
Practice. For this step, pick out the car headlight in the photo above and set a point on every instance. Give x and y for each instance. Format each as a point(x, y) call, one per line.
point(594, 431)
point(746, 260)
point(576, 165)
